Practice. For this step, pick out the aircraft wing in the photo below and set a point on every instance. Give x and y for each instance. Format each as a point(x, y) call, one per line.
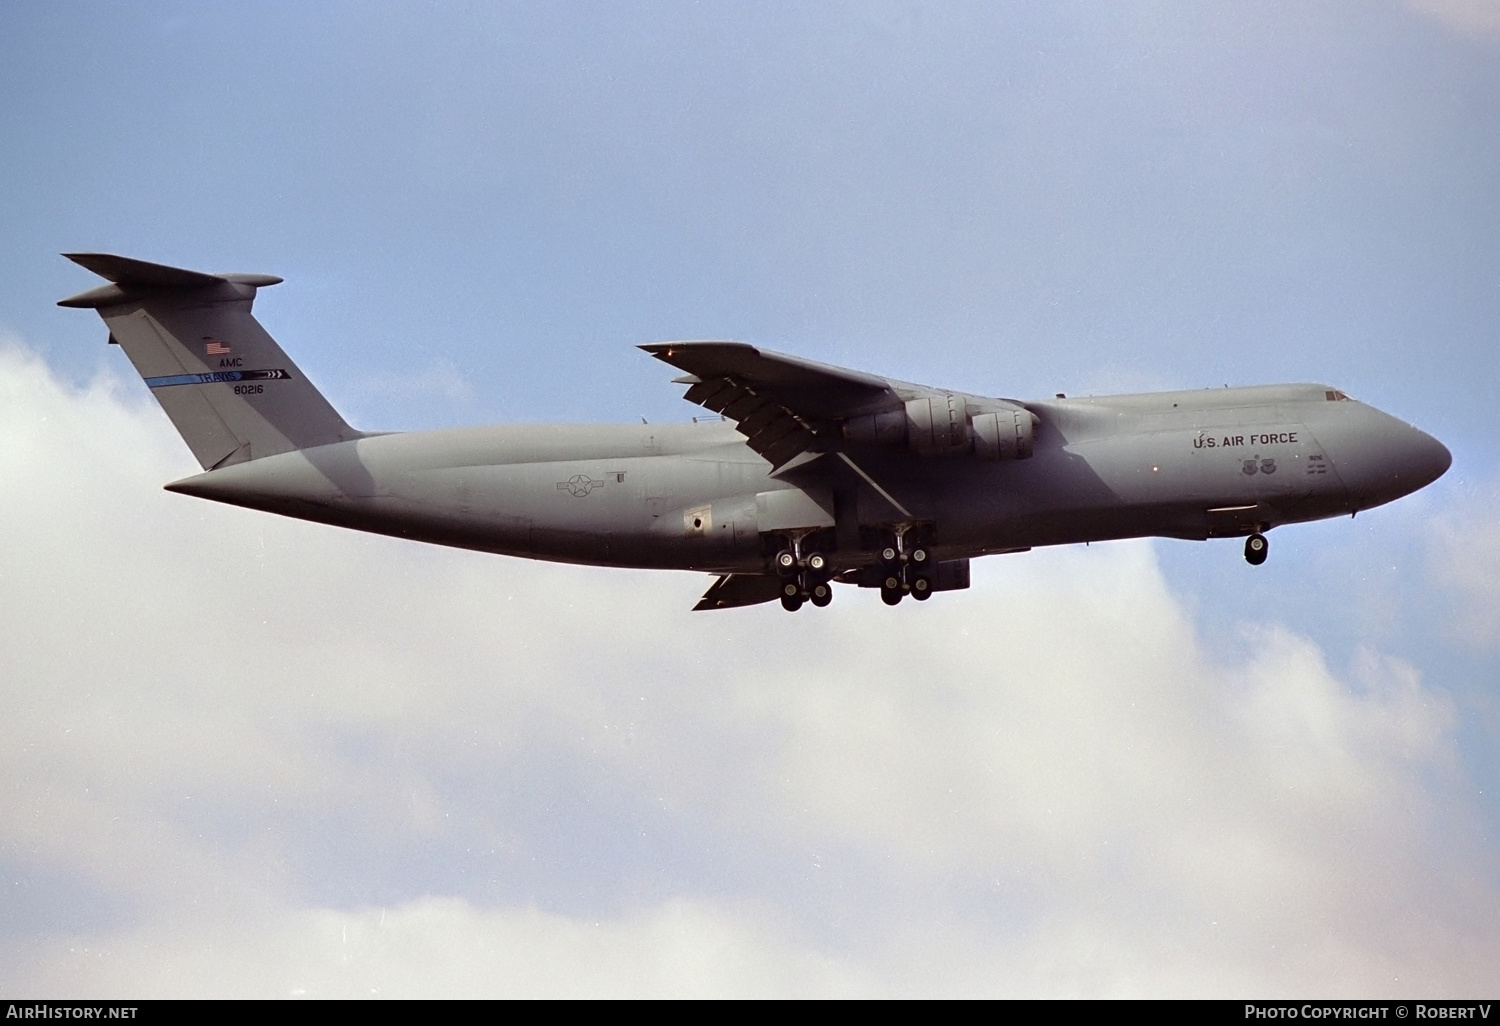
point(783, 405)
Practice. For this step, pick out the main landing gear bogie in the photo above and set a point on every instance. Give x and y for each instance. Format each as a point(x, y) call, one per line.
point(905, 561)
point(788, 563)
point(903, 557)
point(804, 575)
point(1256, 549)
point(807, 586)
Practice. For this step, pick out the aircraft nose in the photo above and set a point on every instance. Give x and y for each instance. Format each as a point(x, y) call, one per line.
point(1380, 458)
point(1423, 459)
point(1406, 459)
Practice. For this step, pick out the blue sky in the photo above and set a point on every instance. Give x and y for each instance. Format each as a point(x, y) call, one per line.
point(479, 210)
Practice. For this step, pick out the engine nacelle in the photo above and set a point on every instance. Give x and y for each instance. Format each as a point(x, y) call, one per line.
point(1003, 435)
point(937, 424)
point(934, 425)
point(877, 428)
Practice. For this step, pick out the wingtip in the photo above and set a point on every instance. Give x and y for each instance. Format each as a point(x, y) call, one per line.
point(668, 351)
point(83, 259)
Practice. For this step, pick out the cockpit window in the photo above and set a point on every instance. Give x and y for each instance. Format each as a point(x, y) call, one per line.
point(1334, 396)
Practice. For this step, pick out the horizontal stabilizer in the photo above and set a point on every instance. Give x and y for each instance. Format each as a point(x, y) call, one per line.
point(136, 278)
point(125, 271)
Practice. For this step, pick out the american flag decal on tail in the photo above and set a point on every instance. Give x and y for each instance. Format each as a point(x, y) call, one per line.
point(216, 348)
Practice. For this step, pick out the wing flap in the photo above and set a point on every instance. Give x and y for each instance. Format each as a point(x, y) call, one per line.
point(784, 451)
point(783, 405)
point(704, 393)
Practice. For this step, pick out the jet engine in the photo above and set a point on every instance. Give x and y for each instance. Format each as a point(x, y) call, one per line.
point(1003, 434)
point(935, 425)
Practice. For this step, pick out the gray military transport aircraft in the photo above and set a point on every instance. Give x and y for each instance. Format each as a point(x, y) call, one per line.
point(811, 474)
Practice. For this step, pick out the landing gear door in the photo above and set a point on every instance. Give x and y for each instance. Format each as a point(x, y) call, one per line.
point(652, 488)
point(794, 509)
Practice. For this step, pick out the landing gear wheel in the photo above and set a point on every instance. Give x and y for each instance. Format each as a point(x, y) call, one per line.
point(785, 562)
point(918, 555)
point(891, 589)
point(791, 603)
point(1256, 549)
point(890, 555)
point(817, 562)
point(813, 585)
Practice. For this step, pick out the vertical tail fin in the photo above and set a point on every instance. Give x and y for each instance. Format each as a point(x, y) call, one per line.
point(229, 389)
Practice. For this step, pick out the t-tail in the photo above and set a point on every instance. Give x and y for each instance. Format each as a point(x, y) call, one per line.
point(229, 389)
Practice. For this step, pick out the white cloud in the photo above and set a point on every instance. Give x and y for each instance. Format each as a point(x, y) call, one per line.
point(251, 739)
point(444, 947)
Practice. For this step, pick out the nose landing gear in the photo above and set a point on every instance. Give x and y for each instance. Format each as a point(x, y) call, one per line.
point(1256, 549)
